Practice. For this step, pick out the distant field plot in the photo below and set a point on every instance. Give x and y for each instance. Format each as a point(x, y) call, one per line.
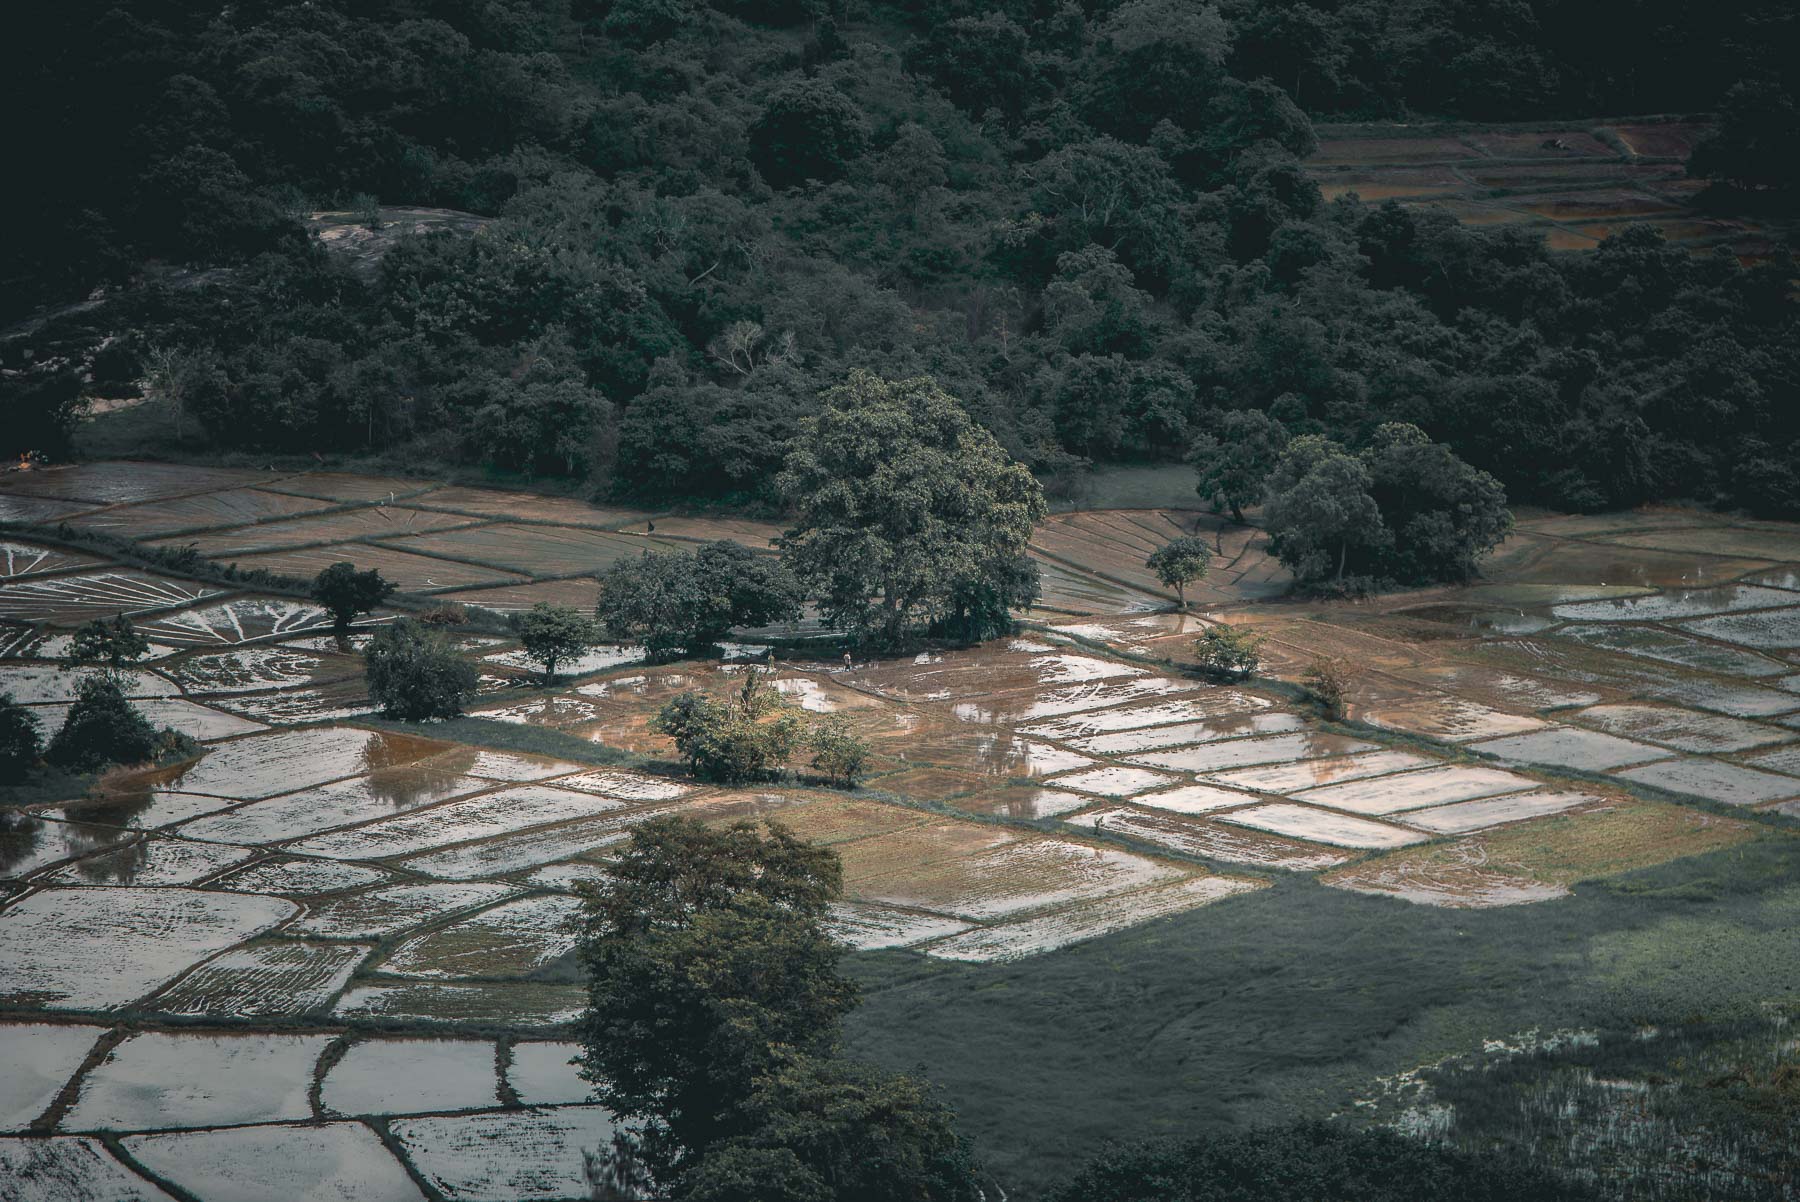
point(1321, 826)
point(1238, 753)
point(1415, 790)
point(413, 573)
point(1391, 183)
point(506, 1004)
point(1782, 545)
point(1229, 726)
point(301, 878)
point(535, 1156)
point(253, 669)
point(283, 762)
point(37, 509)
point(29, 842)
point(337, 527)
point(1047, 932)
point(1031, 802)
point(982, 672)
point(1660, 140)
point(759, 536)
point(236, 621)
point(283, 979)
point(531, 848)
point(536, 550)
point(1653, 642)
point(1771, 630)
point(383, 912)
point(1288, 777)
point(32, 684)
point(1682, 729)
point(1466, 816)
point(509, 940)
point(1335, 150)
point(1676, 603)
point(1112, 543)
point(334, 701)
point(1199, 837)
point(153, 861)
point(1444, 716)
point(348, 488)
point(72, 600)
point(1066, 590)
point(490, 814)
point(73, 1169)
point(540, 1073)
point(1052, 703)
point(157, 1079)
point(1532, 861)
point(1568, 747)
point(526, 506)
point(1114, 781)
point(866, 927)
point(40, 1060)
point(581, 594)
point(1714, 781)
point(1195, 799)
point(408, 1076)
point(231, 507)
point(121, 482)
point(1594, 204)
point(330, 1161)
point(25, 559)
point(98, 949)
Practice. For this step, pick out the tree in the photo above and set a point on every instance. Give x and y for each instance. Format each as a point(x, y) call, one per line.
point(1229, 651)
point(111, 642)
point(553, 633)
point(102, 729)
point(688, 601)
point(345, 592)
point(901, 501)
point(749, 736)
point(1233, 464)
point(1321, 510)
point(415, 675)
point(1444, 514)
point(1179, 562)
point(1756, 145)
point(1327, 679)
point(714, 1029)
point(808, 130)
point(838, 751)
point(21, 740)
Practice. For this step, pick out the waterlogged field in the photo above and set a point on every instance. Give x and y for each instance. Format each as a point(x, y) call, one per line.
point(329, 953)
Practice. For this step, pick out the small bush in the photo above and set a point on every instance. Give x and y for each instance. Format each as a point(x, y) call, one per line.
point(346, 593)
point(445, 613)
point(102, 729)
point(112, 642)
point(748, 737)
point(414, 675)
point(1229, 651)
point(554, 633)
point(21, 740)
point(838, 751)
point(1328, 680)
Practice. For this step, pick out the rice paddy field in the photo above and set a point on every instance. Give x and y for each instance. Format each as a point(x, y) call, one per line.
point(1576, 184)
point(1091, 891)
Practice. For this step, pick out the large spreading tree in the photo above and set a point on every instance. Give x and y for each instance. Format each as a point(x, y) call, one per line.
point(908, 514)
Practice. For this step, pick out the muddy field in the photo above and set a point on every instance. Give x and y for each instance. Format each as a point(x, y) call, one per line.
point(1575, 185)
point(323, 930)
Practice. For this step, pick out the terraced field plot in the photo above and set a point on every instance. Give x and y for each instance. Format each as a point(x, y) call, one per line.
point(70, 600)
point(231, 507)
point(340, 526)
point(534, 550)
point(413, 573)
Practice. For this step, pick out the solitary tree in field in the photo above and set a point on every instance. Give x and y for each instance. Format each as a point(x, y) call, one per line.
point(1229, 651)
point(347, 593)
point(554, 633)
point(414, 674)
point(1179, 562)
point(684, 602)
point(905, 509)
point(1320, 508)
point(110, 642)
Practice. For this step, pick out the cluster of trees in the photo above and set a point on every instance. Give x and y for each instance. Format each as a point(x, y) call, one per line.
point(755, 733)
point(1090, 224)
point(684, 603)
point(715, 1033)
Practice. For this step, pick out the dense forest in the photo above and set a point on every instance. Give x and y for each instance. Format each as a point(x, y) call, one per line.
point(1087, 222)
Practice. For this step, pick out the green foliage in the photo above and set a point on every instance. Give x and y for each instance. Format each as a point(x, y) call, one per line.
point(1179, 562)
point(838, 751)
point(102, 729)
point(553, 633)
point(21, 740)
point(346, 593)
point(415, 675)
point(1756, 145)
point(902, 505)
point(808, 130)
point(1229, 651)
point(749, 736)
point(1327, 681)
point(1233, 461)
point(714, 1030)
point(1311, 1162)
point(685, 602)
point(111, 642)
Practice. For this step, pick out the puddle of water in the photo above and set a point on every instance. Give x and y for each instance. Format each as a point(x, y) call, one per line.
point(481, 1157)
point(142, 808)
point(1467, 816)
point(553, 712)
point(509, 940)
point(1307, 774)
point(264, 765)
point(864, 927)
point(275, 979)
point(157, 1079)
point(29, 842)
point(1034, 936)
point(408, 1076)
point(516, 1005)
point(1229, 726)
point(1710, 779)
point(542, 1075)
point(69, 1168)
point(40, 1059)
point(153, 861)
point(1321, 826)
point(1681, 728)
point(1238, 753)
point(1676, 603)
point(329, 1160)
point(1568, 747)
point(505, 766)
point(388, 911)
point(1415, 790)
point(98, 949)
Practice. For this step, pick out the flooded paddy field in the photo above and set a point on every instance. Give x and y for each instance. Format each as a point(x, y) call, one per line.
point(332, 941)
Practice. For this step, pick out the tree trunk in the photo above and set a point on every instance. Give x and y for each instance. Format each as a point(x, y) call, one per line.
point(1343, 550)
point(1181, 593)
